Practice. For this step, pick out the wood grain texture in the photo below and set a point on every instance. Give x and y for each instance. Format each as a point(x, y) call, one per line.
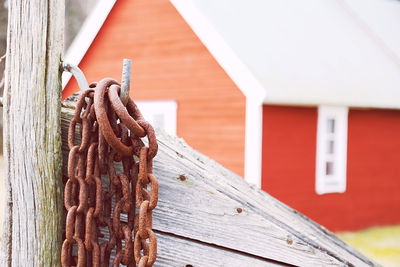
point(203, 209)
point(179, 252)
point(174, 251)
point(32, 134)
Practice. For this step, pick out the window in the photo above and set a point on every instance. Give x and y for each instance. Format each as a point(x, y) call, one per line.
point(160, 114)
point(331, 150)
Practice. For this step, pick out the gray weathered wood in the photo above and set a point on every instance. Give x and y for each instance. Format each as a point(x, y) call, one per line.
point(174, 251)
point(32, 134)
point(178, 252)
point(202, 212)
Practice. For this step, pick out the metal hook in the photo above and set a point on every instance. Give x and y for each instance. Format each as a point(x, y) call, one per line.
point(78, 74)
point(83, 84)
point(125, 81)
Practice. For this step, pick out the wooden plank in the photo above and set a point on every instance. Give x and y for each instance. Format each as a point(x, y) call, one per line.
point(316, 237)
point(203, 207)
point(177, 251)
point(32, 142)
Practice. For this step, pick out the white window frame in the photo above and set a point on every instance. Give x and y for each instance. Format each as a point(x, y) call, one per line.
point(168, 108)
point(331, 161)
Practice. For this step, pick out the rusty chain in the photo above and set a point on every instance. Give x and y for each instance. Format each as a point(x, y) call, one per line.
point(95, 196)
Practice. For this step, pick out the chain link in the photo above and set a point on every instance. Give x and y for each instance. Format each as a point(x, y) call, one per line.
point(110, 132)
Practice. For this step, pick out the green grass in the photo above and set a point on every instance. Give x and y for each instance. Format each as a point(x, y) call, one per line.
point(382, 244)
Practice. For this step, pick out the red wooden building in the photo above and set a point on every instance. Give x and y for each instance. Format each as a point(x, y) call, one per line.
point(301, 98)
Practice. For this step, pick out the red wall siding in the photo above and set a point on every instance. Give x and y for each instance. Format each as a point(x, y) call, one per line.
point(373, 173)
point(170, 62)
point(374, 165)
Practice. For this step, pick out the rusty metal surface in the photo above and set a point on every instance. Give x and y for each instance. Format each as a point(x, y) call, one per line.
point(110, 133)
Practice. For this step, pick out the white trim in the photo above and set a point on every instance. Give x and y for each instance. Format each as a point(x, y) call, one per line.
point(254, 92)
point(253, 141)
point(331, 156)
point(166, 108)
point(86, 35)
point(221, 51)
point(225, 56)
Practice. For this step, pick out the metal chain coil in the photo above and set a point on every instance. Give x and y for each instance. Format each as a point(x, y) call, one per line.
point(110, 132)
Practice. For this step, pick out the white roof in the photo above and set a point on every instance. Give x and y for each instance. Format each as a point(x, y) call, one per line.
point(340, 52)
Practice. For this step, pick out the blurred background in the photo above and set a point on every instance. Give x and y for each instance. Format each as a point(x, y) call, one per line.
point(301, 98)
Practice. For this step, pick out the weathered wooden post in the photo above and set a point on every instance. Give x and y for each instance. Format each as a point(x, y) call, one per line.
point(32, 134)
